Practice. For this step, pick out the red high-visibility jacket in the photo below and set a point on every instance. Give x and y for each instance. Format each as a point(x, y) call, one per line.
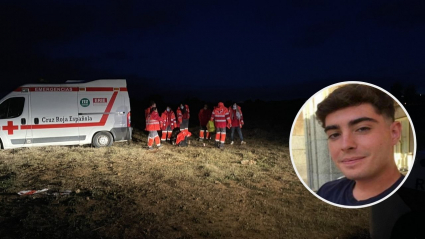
point(181, 116)
point(204, 116)
point(153, 122)
point(233, 116)
point(220, 116)
point(168, 119)
point(182, 135)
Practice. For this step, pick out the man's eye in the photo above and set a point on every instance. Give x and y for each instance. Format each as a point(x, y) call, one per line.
point(363, 129)
point(333, 136)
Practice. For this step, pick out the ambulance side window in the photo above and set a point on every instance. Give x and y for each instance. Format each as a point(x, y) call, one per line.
point(12, 108)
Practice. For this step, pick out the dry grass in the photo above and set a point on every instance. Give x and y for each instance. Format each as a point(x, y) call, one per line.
point(126, 191)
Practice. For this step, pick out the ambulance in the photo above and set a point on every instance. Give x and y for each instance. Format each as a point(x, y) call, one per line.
point(95, 112)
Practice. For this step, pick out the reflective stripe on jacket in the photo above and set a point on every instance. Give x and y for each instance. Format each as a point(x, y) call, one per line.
point(153, 122)
point(220, 116)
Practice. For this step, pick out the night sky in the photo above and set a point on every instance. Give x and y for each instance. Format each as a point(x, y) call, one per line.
point(214, 50)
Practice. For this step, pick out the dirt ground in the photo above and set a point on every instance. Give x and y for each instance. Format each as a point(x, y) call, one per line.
point(126, 191)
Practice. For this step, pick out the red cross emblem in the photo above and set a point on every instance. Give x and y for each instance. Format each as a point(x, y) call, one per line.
point(10, 127)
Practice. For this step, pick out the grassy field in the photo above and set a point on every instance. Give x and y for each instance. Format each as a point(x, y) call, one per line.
point(126, 191)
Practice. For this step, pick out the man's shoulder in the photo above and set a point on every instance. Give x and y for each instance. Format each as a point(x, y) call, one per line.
point(336, 191)
point(341, 192)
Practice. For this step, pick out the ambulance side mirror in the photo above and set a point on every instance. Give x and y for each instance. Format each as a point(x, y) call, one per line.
point(23, 121)
point(35, 120)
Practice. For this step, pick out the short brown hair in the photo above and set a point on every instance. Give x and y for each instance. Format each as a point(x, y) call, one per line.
point(353, 95)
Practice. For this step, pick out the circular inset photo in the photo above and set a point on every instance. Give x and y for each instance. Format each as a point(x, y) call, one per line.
point(352, 144)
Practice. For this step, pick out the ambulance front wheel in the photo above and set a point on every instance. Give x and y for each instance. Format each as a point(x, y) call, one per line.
point(102, 139)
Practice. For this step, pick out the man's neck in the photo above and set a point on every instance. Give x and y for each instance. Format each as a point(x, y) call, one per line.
point(368, 188)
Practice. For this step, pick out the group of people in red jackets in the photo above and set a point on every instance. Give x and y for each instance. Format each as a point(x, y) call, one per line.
point(220, 116)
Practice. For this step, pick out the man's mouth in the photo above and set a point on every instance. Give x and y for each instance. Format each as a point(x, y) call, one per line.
point(352, 160)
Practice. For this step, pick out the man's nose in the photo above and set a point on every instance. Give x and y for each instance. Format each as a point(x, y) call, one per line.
point(348, 142)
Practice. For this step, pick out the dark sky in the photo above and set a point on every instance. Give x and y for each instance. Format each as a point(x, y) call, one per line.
point(214, 50)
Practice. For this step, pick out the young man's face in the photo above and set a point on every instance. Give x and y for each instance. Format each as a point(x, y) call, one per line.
point(361, 141)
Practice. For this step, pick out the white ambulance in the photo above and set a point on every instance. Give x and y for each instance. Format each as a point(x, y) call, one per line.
point(96, 112)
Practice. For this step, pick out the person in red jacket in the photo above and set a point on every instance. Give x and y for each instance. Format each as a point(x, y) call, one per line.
point(204, 116)
point(183, 115)
point(169, 123)
point(236, 117)
point(153, 124)
point(181, 139)
point(148, 110)
point(221, 118)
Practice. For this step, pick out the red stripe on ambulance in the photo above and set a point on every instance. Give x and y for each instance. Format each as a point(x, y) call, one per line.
point(100, 89)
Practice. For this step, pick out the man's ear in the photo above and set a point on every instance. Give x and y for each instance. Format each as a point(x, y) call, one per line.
point(395, 132)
